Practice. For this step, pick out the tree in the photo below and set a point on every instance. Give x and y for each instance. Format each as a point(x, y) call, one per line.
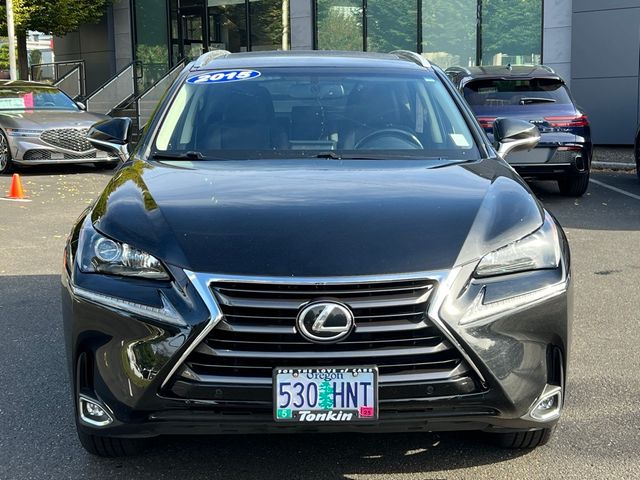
point(55, 17)
point(510, 27)
point(339, 28)
point(392, 25)
point(4, 56)
point(326, 395)
point(35, 57)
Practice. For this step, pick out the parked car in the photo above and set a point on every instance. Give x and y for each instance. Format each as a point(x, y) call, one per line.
point(40, 124)
point(321, 242)
point(539, 95)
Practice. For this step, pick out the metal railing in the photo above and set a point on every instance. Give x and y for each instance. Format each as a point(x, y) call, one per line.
point(114, 92)
point(65, 75)
point(72, 83)
point(148, 100)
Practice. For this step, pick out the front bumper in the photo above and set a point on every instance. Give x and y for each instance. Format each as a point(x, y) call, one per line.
point(35, 151)
point(130, 363)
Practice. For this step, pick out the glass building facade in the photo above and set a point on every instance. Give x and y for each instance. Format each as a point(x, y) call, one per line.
point(448, 32)
point(167, 31)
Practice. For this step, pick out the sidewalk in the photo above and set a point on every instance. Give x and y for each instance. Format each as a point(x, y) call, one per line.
point(613, 158)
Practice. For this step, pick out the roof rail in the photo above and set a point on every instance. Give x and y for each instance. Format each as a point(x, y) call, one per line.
point(458, 69)
point(412, 57)
point(209, 57)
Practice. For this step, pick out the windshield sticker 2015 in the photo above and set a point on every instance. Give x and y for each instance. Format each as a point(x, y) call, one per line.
point(224, 76)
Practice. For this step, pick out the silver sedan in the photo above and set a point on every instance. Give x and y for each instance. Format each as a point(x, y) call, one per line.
point(39, 124)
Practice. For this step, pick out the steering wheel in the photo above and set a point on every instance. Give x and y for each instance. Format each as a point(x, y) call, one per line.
point(48, 104)
point(406, 137)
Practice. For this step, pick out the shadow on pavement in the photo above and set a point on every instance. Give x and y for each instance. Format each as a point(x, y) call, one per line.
point(62, 169)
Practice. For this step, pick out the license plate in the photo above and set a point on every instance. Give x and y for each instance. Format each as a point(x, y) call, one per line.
point(325, 395)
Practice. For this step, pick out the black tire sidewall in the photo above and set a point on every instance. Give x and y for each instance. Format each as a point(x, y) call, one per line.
point(9, 167)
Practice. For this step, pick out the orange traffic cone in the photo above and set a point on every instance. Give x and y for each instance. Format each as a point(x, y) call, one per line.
point(16, 192)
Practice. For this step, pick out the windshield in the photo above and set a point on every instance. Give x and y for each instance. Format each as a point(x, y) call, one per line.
point(499, 93)
point(337, 113)
point(34, 98)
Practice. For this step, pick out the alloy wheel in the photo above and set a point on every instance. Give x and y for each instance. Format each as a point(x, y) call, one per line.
point(4, 153)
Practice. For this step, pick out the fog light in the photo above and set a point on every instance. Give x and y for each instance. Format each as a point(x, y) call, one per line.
point(93, 413)
point(548, 406)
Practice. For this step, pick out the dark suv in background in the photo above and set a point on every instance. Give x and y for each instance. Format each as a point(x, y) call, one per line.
point(539, 95)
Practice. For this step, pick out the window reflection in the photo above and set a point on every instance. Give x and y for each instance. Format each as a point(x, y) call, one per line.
point(228, 25)
point(151, 39)
point(449, 32)
point(339, 25)
point(269, 24)
point(511, 32)
point(392, 25)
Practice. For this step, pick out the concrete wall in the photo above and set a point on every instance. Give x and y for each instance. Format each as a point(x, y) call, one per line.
point(605, 52)
point(556, 43)
point(301, 17)
point(122, 34)
point(93, 43)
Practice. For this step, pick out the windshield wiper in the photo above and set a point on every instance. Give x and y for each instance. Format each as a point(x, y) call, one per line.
point(168, 155)
point(372, 156)
point(526, 100)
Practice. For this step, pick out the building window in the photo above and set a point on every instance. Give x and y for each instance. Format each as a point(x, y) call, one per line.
point(392, 25)
point(339, 25)
point(269, 24)
point(228, 25)
point(448, 32)
point(511, 32)
point(151, 39)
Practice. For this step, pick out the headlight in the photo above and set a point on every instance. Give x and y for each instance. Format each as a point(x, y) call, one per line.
point(536, 251)
point(99, 254)
point(23, 132)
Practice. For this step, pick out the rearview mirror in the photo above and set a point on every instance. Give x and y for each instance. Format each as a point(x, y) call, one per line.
point(513, 135)
point(112, 135)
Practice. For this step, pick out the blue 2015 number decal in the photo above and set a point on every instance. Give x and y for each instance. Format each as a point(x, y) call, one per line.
point(224, 76)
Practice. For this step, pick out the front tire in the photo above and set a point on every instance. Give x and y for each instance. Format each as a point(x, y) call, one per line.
point(110, 446)
point(574, 186)
point(6, 163)
point(523, 440)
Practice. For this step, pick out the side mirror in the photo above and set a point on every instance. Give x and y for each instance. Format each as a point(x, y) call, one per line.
point(513, 135)
point(81, 106)
point(112, 135)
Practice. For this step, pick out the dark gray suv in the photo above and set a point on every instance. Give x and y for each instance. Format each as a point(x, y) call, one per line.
point(315, 242)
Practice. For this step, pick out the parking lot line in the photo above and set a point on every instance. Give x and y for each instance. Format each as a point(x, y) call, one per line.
point(615, 189)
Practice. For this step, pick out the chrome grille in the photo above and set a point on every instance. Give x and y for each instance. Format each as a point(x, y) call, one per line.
point(68, 138)
point(258, 333)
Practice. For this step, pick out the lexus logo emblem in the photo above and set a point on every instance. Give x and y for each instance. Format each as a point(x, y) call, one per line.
point(325, 321)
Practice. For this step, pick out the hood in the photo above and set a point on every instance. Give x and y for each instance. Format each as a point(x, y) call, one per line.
point(44, 119)
point(316, 218)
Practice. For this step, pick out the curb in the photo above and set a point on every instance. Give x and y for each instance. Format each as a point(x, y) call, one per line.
point(613, 166)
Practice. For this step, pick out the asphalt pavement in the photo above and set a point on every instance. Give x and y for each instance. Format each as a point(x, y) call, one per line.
point(598, 436)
